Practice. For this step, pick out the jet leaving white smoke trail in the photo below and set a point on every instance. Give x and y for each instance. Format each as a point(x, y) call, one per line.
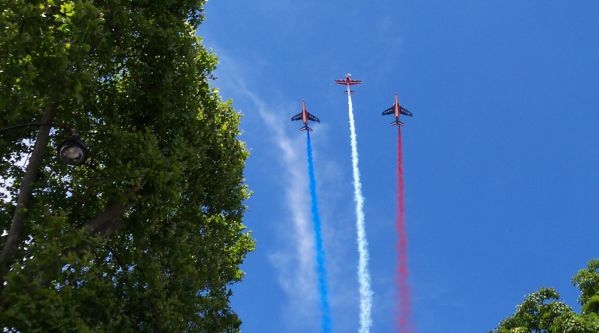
point(363, 256)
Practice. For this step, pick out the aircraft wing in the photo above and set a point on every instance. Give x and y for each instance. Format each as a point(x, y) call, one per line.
point(405, 111)
point(340, 81)
point(388, 111)
point(313, 118)
point(352, 82)
point(297, 117)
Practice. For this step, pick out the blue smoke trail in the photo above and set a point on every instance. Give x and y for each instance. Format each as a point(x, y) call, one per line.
point(322, 273)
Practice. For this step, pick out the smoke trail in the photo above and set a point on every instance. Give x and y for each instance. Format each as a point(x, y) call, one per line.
point(405, 306)
point(322, 273)
point(363, 274)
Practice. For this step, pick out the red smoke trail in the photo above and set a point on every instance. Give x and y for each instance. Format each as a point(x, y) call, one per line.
point(404, 307)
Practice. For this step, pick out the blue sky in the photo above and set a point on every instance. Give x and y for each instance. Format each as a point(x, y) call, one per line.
point(500, 159)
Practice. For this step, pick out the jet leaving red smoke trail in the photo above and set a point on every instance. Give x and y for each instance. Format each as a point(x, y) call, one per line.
point(404, 308)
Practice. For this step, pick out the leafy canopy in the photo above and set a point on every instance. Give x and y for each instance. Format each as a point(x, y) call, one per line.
point(148, 236)
point(542, 312)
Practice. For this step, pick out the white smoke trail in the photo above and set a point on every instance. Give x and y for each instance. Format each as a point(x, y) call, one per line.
point(363, 274)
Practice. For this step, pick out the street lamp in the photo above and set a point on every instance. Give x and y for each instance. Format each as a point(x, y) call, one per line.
point(71, 151)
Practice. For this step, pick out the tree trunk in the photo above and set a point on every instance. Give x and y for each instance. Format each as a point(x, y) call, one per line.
point(18, 220)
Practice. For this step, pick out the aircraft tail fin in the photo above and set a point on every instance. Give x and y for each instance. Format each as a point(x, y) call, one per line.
point(396, 123)
point(350, 92)
point(306, 128)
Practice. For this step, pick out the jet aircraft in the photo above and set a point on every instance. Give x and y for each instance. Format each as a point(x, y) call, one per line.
point(348, 82)
point(305, 116)
point(396, 110)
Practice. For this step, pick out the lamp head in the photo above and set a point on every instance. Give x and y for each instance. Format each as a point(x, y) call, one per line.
point(73, 151)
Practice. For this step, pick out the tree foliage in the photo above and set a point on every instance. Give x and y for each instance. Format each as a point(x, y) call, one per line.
point(148, 236)
point(542, 311)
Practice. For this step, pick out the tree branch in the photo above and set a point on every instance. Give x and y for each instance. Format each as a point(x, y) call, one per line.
point(105, 223)
point(108, 221)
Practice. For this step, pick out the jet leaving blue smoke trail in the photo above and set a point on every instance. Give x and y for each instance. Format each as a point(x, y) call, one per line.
point(322, 273)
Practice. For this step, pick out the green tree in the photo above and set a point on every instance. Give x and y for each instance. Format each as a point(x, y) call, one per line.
point(148, 236)
point(543, 312)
